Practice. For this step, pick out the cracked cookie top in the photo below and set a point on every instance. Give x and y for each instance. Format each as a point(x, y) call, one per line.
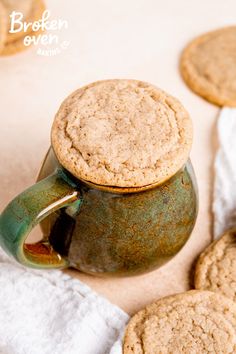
point(216, 266)
point(208, 66)
point(123, 133)
point(191, 322)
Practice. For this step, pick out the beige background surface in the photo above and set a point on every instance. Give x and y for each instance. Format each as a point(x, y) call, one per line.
point(139, 39)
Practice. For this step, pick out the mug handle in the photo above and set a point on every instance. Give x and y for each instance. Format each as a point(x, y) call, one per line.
point(27, 210)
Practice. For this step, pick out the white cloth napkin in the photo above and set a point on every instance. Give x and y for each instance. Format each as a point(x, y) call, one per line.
point(224, 206)
point(48, 312)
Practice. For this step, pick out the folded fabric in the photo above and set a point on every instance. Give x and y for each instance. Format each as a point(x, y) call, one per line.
point(224, 205)
point(48, 312)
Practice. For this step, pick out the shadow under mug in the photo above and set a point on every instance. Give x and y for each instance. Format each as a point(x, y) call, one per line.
point(100, 230)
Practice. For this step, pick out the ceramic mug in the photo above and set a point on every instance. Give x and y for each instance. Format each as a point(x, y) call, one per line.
point(98, 229)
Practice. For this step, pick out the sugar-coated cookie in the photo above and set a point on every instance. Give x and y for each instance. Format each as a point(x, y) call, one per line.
point(123, 133)
point(216, 266)
point(15, 41)
point(193, 322)
point(208, 65)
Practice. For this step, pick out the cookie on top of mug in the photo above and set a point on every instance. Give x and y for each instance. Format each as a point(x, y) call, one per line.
point(122, 133)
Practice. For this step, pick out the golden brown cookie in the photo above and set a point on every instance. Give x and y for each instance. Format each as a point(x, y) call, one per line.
point(193, 322)
point(208, 65)
point(216, 266)
point(3, 26)
point(15, 41)
point(14, 47)
point(124, 133)
point(32, 10)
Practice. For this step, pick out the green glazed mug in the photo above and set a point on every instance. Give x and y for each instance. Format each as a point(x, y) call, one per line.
point(100, 230)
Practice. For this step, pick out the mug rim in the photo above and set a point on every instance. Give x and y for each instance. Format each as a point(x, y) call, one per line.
point(108, 188)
